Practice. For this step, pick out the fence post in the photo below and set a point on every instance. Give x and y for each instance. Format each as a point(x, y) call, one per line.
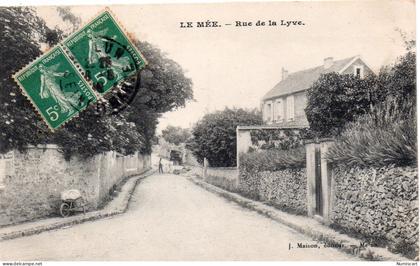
point(327, 182)
point(310, 175)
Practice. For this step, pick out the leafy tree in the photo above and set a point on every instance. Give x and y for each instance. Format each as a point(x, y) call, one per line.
point(214, 136)
point(398, 81)
point(163, 88)
point(22, 35)
point(334, 100)
point(175, 135)
point(72, 20)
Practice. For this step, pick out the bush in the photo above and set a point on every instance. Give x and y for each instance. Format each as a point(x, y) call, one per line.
point(334, 100)
point(274, 160)
point(386, 135)
point(214, 136)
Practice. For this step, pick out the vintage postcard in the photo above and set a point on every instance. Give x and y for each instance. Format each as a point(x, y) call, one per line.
point(220, 131)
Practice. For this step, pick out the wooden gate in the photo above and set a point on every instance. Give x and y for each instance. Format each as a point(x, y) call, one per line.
point(318, 183)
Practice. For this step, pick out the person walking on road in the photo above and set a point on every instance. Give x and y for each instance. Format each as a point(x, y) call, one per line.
point(160, 166)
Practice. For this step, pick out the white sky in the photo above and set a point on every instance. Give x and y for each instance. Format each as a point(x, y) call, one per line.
point(232, 66)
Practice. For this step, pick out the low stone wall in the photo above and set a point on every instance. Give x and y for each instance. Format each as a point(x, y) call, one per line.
point(285, 189)
point(196, 171)
point(224, 177)
point(31, 182)
point(378, 204)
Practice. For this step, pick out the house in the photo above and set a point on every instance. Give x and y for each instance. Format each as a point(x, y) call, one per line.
point(284, 105)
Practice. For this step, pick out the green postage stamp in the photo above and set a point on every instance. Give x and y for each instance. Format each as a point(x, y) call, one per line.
point(55, 87)
point(104, 53)
point(81, 69)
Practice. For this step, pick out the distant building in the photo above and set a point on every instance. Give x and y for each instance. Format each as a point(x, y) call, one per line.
point(284, 104)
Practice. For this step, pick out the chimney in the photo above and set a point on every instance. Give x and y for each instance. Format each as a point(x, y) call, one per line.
point(284, 73)
point(328, 62)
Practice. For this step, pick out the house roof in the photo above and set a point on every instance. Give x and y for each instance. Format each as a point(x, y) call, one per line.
point(302, 80)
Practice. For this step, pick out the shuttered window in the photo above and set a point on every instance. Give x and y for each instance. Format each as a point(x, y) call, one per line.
point(279, 110)
point(290, 107)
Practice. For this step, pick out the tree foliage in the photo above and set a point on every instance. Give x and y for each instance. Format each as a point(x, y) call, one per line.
point(164, 87)
point(335, 100)
point(22, 35)
point(176, 135)
point(398, 81)
point(214, 136)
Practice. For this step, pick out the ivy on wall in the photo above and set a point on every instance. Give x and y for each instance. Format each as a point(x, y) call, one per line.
point(280, 139)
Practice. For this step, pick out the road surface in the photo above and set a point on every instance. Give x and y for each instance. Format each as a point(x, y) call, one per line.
point(170, 218)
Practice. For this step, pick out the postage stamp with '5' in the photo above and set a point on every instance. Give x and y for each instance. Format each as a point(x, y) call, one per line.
point(55, 87)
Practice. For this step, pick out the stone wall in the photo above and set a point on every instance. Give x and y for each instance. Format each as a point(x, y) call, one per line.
point(31, 182)
point(378, 204)
point(285, 189)
point(224, 177)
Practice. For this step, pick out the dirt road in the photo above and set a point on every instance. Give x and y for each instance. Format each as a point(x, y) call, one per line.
point(170, 218)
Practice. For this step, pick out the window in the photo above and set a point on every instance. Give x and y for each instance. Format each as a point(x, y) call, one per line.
point(290, 107)
point(268, 112)
point(358, 71)
point(279, 110)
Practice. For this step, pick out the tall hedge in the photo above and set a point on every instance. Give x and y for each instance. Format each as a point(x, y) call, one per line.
point(334, 100)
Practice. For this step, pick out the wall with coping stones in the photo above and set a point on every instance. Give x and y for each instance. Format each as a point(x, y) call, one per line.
point(284, 189)
point(32, 181)
point(380, 204)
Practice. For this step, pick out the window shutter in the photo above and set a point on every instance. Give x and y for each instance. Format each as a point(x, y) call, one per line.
point(290, 106)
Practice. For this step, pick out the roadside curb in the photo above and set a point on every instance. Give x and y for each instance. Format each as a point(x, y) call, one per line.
point(309, 227)
point(116, 206)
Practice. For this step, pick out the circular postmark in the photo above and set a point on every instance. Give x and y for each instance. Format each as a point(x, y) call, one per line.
point(117, 65)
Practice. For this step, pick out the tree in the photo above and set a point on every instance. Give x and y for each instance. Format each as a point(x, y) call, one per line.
point(22, 35)
point(398, 80)
point(334, 100)
point(214, 136)
point(163, 88)
point(176, 135)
